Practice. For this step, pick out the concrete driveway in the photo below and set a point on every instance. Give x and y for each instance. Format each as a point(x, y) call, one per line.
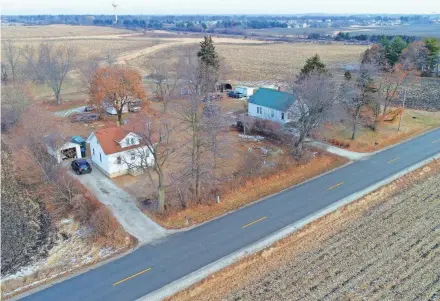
point(123, 207)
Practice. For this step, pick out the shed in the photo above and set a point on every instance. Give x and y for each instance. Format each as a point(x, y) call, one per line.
point(67, 151)
point(246, 91)
point(61, 150)
point(82, 142)
point(222, 87)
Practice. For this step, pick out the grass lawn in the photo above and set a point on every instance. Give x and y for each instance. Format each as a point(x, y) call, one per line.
point(413, 122)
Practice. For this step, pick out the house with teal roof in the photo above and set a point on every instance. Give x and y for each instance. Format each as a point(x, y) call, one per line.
point(271, 104)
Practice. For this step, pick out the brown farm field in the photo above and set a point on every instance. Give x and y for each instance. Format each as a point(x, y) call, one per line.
point(58, 31)
point(385, 246)
point(273, 61)
point(276, 62)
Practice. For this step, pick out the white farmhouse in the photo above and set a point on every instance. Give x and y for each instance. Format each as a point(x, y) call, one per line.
point(116, 151)
point(271, 104)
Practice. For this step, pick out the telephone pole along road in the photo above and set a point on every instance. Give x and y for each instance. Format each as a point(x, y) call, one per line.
point(155, 265)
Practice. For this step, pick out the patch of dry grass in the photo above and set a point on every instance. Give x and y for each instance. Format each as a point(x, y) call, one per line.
point(380, 247)
point(413, 122)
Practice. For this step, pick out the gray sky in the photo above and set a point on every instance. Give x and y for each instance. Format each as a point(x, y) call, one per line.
point(219, 6)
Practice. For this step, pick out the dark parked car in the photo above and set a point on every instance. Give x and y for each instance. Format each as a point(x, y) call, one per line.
point(89, 108)
point(234, 94)
point(81, 166)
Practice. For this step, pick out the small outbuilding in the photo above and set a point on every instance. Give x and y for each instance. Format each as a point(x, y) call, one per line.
point(223, 87)
point(246, 91)
point(62, 151)
point(82, 143)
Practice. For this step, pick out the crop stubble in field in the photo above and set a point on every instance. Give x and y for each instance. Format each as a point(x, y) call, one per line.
point(278, 61)
point(58, 30)
point(245, 61)
point(381, 248)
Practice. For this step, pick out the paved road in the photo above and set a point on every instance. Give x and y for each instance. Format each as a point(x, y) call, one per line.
point(155, 265)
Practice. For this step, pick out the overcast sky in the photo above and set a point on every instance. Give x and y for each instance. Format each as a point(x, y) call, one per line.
point(220, 6)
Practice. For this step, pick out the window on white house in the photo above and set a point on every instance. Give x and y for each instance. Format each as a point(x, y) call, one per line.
point(259, 110)
point(100, 157)
point(127, 141)
point(118, 160)
point(282, 116)
point(131, 140)
point(93, 152)
point(133, 156)
point(272, 113)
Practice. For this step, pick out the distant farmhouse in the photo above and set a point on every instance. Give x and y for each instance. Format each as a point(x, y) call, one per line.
point(271, 104)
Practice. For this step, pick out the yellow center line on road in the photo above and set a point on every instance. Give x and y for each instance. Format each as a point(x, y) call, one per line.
point(392, 160)
point(435, 141)
point(339, 184)
point(132, 276)
point(258, 220)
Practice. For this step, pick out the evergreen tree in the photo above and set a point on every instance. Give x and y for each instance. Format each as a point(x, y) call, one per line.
point(207, 53)
point(394, 50)
point(313, 64)
point(433, 51)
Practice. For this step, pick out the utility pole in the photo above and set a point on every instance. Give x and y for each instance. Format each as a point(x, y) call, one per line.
point(403, 109)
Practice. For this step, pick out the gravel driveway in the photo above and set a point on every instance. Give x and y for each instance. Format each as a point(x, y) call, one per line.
point(123, 207)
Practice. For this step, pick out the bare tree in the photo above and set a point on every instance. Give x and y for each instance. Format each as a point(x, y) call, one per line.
point(57, 62)
point(12, 54)
point(315, 96)
point(32, 69)
point(157, 136)
point(215, 123)
point(87, 68)
point(197, 81)
point(15, 100)
point(33, 139)
point(415, 56)
point(51, 63)
point(388, 88)
point(164, 77)
point(358, 92)
point(4, 75)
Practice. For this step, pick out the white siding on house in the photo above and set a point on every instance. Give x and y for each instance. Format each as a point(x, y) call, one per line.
point(267, 113)
point(99, 158)
point(114, 168)
point(130, 139)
